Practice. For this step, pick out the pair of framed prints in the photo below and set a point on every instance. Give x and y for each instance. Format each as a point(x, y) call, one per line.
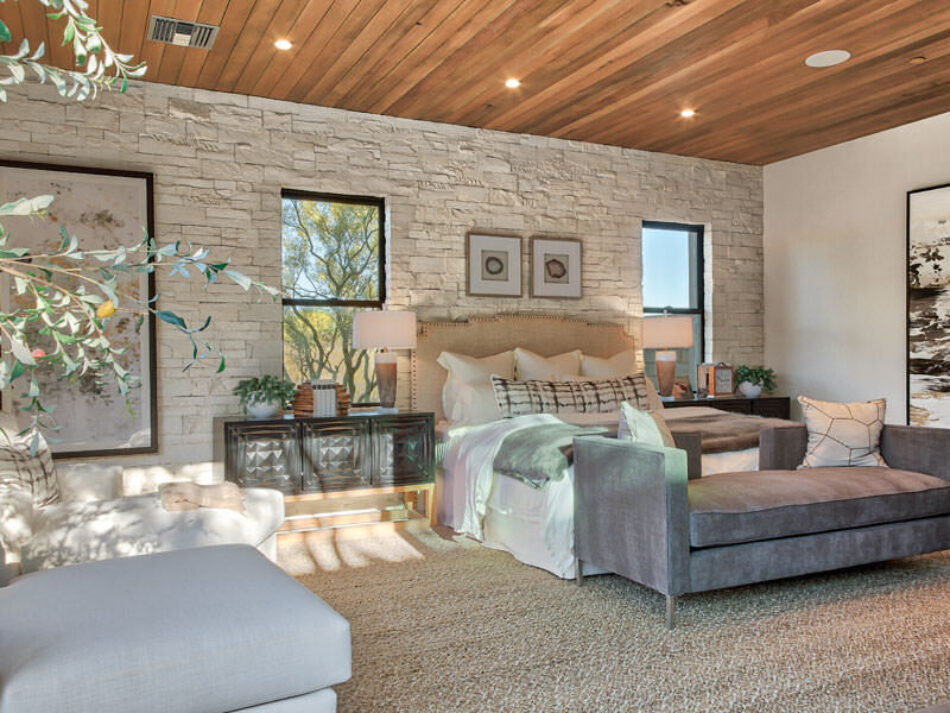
point(494, 266)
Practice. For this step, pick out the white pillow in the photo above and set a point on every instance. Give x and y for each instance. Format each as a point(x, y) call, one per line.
point(465, 370)
point(843, 434)
point(647, 427)
point(534, 367)
point(474, 404)
point(620, 364)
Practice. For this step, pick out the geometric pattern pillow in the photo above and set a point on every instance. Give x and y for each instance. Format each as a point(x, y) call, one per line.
point(517, 398)
point(843, 434)
point(33, 471)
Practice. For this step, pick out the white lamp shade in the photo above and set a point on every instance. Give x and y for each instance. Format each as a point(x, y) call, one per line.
point(384, 330)
point(667, 332)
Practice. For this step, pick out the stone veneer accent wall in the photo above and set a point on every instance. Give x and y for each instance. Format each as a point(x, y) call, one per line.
point(220, 161)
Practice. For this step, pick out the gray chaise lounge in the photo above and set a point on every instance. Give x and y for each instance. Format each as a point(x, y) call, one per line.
point(637, 514)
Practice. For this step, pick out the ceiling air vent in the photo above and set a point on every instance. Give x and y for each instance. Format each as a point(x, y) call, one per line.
point(183, 34)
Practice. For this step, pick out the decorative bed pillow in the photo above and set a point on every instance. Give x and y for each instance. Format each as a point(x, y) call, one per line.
point(34, 471)
point(516, 398)
point(620, 364)
point(465, 370)
point(533, 367)
point(647, 427)
point(475, 404)
point(843, 434)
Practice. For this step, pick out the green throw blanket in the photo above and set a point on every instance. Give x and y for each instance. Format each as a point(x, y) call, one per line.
point(538, 454)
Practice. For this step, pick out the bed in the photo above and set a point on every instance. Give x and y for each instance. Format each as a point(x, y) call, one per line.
point(535, 525)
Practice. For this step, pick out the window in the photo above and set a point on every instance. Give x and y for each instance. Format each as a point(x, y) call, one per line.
point(333, 263)
point(673, 283)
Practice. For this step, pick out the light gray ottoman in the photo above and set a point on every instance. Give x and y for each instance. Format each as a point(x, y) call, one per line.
point(206, 630)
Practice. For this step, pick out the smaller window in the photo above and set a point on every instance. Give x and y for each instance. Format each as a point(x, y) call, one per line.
point(333, 264)
point(672, 256)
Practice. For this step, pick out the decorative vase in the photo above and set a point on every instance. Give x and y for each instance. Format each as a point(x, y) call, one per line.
point(260, 410)
point(750, 390)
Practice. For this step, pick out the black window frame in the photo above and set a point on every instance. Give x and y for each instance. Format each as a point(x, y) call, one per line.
point(698, 234)
point(380, 204)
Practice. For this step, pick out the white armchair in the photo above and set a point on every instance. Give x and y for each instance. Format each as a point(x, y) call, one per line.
point(97, 519)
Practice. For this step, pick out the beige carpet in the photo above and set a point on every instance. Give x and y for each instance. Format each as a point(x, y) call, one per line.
point(446, 625)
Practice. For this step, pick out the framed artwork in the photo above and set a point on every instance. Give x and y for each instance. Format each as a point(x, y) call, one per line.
point(928, 306)
point(556, 267)
point(104, 209)
point(494, 265)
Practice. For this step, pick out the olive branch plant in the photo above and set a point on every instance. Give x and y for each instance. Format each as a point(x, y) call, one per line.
point(65, 296)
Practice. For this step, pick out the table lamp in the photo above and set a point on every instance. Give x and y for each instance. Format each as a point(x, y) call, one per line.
point(385, 331)
point(666, 333)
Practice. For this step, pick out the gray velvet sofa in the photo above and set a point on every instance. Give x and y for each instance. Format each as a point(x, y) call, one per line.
point(636, 513)
point(204, 630)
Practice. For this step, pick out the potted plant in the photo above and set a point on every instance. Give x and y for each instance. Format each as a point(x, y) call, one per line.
point(753, 380)
point(263, 396)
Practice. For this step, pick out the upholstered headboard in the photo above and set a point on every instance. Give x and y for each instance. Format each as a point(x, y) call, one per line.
point(483, 336)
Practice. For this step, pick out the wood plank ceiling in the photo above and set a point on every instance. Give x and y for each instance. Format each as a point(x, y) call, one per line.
point(610, 71)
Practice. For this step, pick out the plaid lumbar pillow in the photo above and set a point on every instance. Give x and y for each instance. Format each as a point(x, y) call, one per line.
point(517, 398)
point(31, 470)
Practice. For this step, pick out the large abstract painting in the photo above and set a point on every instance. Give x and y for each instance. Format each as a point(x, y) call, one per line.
point(928, 306)
point(104, 209)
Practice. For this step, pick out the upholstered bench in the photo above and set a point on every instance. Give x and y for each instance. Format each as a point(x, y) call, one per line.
point(636, 513)
point(205, 630)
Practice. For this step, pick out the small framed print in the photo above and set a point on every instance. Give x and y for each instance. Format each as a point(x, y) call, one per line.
point(556, 267)
point(494, 265)
point(718, 379)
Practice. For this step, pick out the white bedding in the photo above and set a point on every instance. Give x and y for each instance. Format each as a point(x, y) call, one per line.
point(536, 526)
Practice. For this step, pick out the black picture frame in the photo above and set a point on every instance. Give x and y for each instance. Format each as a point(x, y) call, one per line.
point(132, 234)
point(922, 292)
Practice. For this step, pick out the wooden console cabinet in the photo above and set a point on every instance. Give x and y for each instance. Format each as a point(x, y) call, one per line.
point(324, 455)
point(769, 406)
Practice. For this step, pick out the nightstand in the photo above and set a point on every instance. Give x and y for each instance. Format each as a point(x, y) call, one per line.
point(313, 459)
point(768, 406)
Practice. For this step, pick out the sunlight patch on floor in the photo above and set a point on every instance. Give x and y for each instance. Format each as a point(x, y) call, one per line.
point(334, 550)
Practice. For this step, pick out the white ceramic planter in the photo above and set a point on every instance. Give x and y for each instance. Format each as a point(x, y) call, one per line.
point(258, 410)
point(750, 390)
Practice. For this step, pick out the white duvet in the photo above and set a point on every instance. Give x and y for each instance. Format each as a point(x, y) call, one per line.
point(536, 526)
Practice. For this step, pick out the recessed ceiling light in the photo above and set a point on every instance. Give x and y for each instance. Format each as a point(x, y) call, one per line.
point(512, 83)
point(283, 44)
point(828, 58)
point(688, 113)
point(918, 60)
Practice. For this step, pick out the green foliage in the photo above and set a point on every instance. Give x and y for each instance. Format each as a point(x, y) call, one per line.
point(64, 298)
point(330, 252)
point(756, 375)
point(99, 67)
point(266, 389)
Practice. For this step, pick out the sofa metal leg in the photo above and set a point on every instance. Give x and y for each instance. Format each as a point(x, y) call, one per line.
point(579, 569)
point(670, 611)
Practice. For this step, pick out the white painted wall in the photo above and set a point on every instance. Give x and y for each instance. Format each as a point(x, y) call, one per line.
point(834, 251)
